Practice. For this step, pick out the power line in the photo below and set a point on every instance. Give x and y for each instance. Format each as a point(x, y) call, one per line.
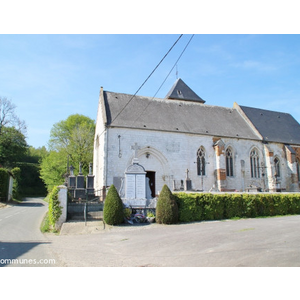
point(147, 78)
point(174, 66)
point(140, 114)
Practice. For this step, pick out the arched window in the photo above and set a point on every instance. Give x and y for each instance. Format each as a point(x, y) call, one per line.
point(201, 161)
point(254, 163)
point(277, 166)
point(229, 162)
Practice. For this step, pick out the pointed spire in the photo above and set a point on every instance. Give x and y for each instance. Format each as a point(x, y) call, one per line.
point(180, 91)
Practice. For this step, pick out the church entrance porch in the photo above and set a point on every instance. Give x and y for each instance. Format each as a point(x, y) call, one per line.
point(151, 176)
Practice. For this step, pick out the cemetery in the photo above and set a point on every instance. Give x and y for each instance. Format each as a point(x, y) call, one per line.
point(83, 204)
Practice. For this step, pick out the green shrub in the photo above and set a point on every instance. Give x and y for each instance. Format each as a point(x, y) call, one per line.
point(54, 208)
point(127, 213)
point(45, 225)
point(294, 204)
point(113, 207)
point(206, 206)
point(17, 174)
point(3, 184)
point(234, 206)
point(218, 206)
point(189, 208)
point(166, 207)
point(249, 201)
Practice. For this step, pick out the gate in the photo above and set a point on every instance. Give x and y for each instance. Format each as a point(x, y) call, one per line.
point(86, 209)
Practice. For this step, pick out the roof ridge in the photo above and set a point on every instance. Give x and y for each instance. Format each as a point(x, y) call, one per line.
point(269, 110)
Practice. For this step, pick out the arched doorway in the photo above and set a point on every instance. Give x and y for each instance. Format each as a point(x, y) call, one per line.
point(151, 176)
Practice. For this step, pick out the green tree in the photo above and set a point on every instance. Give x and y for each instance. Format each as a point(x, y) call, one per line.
point(71, 141)
point(113, 207)
point(74, 137)
point(13, 146)
point(166, 207)
point(4, 177)
point(53, 168)
point(8, 117)
point(35, 155)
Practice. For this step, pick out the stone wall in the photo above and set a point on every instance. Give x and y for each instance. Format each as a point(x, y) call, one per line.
point(171, 154)
point(100, 150)
point(63, 200)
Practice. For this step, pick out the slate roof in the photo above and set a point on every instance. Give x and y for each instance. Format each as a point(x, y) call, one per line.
point(274, 126)
point(123, 110)
point(181, 91)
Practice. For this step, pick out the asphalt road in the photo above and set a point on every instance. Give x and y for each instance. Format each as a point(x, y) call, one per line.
point(21, 242)
point(261, 242)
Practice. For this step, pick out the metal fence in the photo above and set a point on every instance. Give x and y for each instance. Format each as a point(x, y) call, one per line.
point(88, 208)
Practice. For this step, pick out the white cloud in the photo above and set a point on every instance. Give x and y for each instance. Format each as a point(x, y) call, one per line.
point(256, 66)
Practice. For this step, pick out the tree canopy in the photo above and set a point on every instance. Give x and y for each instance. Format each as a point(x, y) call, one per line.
point(8, 117)
point(13, 146)
point(71, 142)
point(16, 156)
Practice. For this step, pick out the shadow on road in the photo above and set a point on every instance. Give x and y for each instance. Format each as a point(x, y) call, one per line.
point(12, 250)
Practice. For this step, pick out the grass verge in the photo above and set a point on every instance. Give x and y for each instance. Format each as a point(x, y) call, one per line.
point(45, 225)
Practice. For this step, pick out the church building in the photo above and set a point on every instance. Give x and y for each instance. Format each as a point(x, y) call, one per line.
point(181, 139)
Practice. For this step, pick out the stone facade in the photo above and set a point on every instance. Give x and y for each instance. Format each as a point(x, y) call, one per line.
point(236, 156)
point(170, 154)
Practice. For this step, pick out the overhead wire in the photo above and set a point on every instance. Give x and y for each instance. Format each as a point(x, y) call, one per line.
point(140, 114)
point(147, 78)
point(173, 66)
point(132, 97)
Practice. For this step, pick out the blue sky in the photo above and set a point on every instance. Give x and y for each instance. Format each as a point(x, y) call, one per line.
point(49, 77)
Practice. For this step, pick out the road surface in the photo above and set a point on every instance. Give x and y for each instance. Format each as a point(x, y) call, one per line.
point(260, 242)
point(266, 242)
point(21, 241)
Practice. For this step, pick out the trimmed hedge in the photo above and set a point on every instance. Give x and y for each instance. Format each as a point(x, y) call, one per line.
point(54, 208)
point(16, 174)
point(3, 184)
point(4, 181)
point(166, 208)
point(206, 206)
point(113, 213)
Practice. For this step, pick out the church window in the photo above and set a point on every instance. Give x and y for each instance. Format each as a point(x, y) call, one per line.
point(229, 162)
point(254, 164)
point(277, 166)
point(201, 162)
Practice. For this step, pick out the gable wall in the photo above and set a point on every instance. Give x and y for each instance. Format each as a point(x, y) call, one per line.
point(100, 144)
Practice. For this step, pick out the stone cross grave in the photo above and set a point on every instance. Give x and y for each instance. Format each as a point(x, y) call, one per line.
point(187, 182)
point(90, 181)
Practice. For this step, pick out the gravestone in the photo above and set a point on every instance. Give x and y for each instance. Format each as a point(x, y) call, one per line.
point(71, 179)
point(90, 182)
point(135, 183)
point(80, 189)
point(187, 182)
